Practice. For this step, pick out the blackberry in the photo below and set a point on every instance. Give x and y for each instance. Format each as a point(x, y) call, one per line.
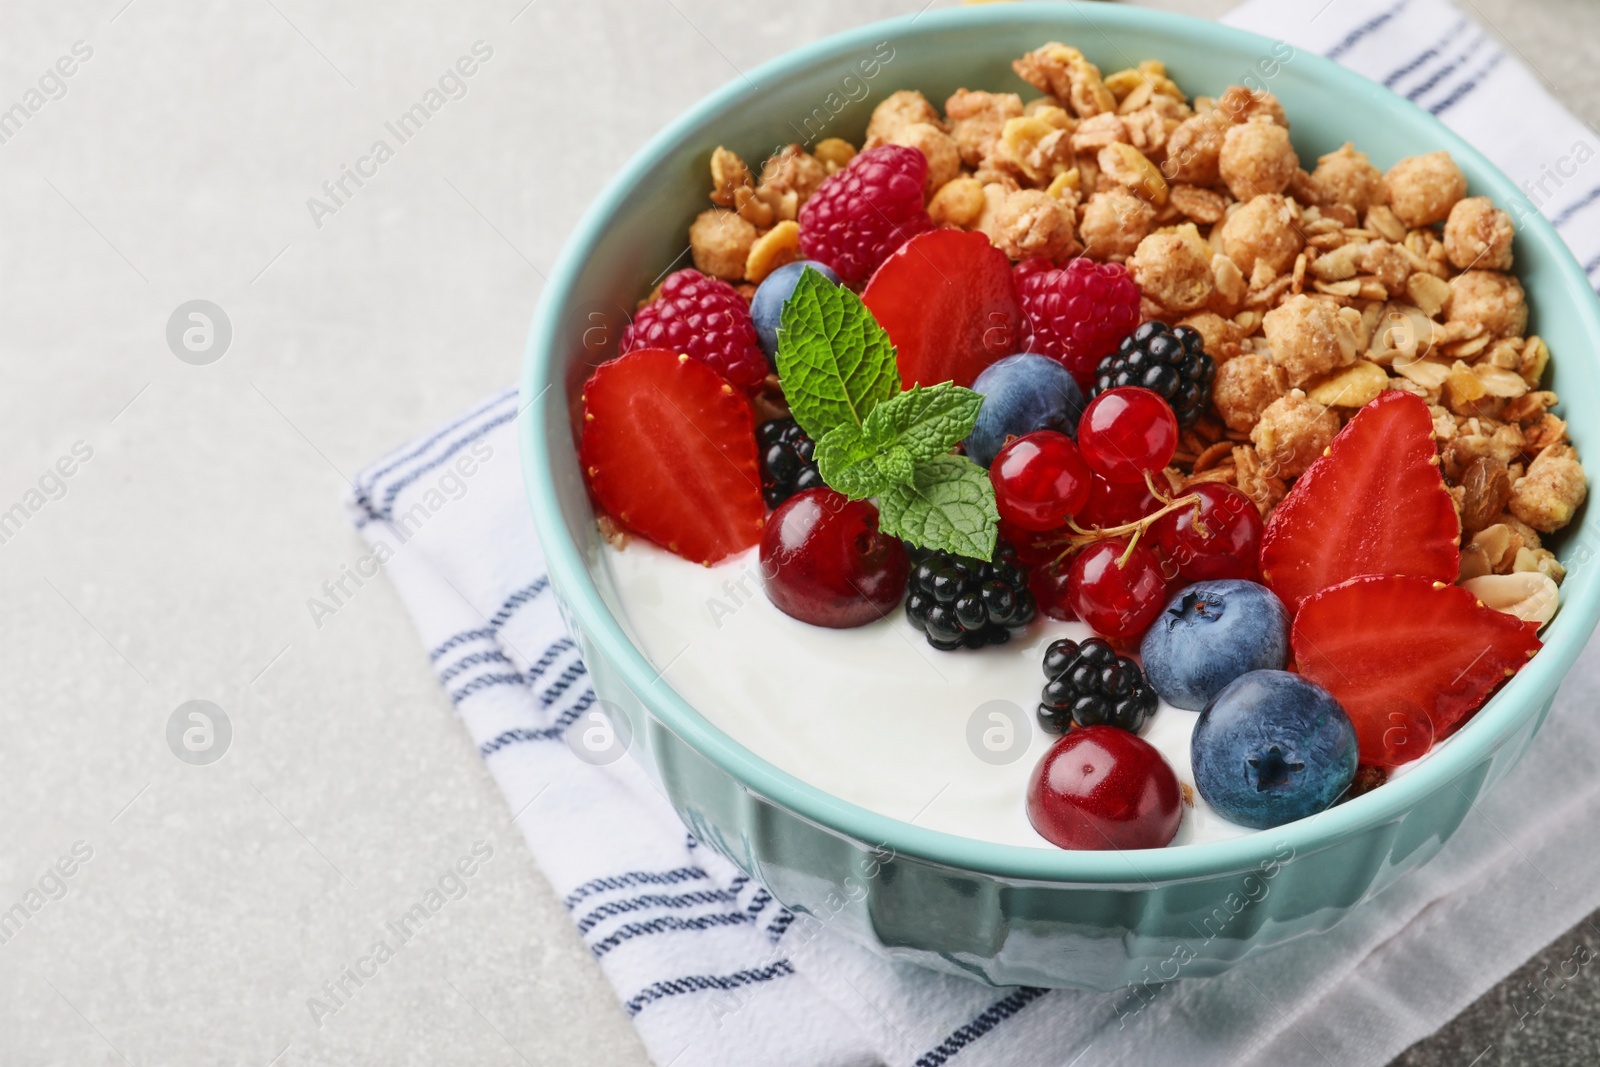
point(787, 465)
point(962, 602)
point(1172, 362)
point(1088, 684)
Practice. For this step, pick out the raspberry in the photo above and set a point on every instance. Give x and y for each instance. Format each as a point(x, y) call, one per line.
point(705, 318)
point(1077, 313)
point(866, 211)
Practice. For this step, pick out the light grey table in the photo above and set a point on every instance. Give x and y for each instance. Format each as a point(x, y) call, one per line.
point(175, 563)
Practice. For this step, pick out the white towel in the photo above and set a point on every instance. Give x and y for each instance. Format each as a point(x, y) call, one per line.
point(713, 971)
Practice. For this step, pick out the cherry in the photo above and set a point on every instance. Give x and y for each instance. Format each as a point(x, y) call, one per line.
point(824, 561)
point(1039, 480)
point(1230, 546)
point(1118, 602)
point(1050, 585)
point(1115, 503)
point(1104, 788)
point(1126, 432)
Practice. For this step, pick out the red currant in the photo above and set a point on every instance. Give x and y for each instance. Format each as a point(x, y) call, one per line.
point(1230, 547)
point(1104, 788)
point(1126, 432)
point(1115, 503)
point(1039, 480)
point(1117, 601)
point(824, 561)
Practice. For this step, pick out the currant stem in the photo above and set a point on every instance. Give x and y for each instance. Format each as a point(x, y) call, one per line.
point(1132, 530)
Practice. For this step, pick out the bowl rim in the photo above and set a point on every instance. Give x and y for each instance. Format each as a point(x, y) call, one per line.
point(1488, 730)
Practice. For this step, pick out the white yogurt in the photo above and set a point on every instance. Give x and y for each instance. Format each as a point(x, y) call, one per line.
point(873, 715)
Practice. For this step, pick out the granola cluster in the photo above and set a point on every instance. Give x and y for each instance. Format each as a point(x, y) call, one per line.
point(1315, 288)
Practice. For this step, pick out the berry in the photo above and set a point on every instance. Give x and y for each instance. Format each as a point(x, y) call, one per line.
point(787, 466)
point(1088, 684)
point(1410, 659)
point(961, 602)
point(1271, 748)
point(1103, 788)
point(708, 319)
point(1211, 633)
point(866, 211)
point(1039, 481)
point(824, 562)
point(1115, 503)
point(1050, 583)
point(1116, 601)
point(669, 451)
point(1373, 503)
point(1126, 433)
point(766, 307)
point(948, 305)
point(1022, 394)
point(1077, 313)
point(1171, 362)
point(1230, 547)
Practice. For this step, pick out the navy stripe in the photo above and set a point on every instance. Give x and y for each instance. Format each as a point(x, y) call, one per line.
point(1588, 198)
point(1455, 31)
point(1592, 266)
point(551, 733)
point(1449, 68)
point(993, 1016)
point(666, 924)
point(613, 908)
point(1355, 36)
point(551, 654)
point(622, 881)
point(517, 599)
point(486, 681)
point(1467, 86)
point(386, 512)
point(698, 983)
point(465, 663)
point(459, 639)
point(565, 681)
point(779, 926)
point(371, 477)
point(758, 903)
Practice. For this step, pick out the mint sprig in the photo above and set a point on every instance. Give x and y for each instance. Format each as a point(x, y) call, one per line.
point(835, 361)
point(839, 374)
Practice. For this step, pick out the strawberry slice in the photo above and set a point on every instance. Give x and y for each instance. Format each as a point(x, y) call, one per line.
point(669, 449)
point(1374, 503)
point(1409, 658)
point(947, 299)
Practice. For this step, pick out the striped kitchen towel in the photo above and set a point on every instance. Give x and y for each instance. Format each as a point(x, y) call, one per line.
point(714, 971)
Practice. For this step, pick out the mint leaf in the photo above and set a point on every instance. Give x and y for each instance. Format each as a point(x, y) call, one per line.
point(897, 466)
point(836, 363)
point(947, 505)
point(927, 422)
point(845, 459)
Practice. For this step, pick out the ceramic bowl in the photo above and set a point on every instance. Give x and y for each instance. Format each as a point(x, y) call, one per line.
point(1005, 914)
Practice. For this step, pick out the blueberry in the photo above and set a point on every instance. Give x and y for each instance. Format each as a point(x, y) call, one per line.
point(1271, 748)
point(1022, 394)
point(766, 307)
point(1211, 633)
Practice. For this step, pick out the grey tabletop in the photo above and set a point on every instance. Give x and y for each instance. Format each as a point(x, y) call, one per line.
point(206, 903)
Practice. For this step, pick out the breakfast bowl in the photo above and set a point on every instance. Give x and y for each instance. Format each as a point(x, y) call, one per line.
point(1003, 913)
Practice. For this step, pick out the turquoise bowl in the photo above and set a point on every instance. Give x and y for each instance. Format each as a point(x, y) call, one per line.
point(1005, 914)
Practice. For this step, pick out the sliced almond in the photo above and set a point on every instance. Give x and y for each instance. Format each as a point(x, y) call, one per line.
point(1351, 387)
point(1426, 373)
point(1529, 595)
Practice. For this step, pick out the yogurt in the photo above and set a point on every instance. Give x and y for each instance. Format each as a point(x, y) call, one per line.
point(873, 715)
